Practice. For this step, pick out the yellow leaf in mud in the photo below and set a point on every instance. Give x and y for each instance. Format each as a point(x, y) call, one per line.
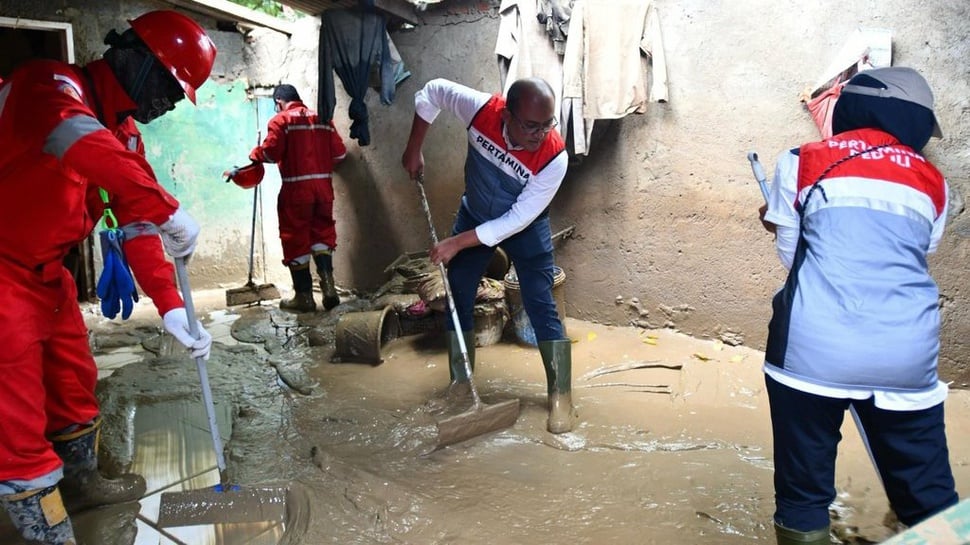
point(591, 336)
point(737, 358)
point(718, 346)
point(700, 356)
point(650, 340)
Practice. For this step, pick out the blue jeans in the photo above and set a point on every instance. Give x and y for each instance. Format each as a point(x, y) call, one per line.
point(530, 251)
point(909, 448)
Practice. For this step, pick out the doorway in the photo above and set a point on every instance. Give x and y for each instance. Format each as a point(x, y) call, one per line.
point(24, 39)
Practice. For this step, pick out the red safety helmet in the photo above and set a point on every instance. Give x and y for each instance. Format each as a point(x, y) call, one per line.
point(247, 176)
point(180, 44)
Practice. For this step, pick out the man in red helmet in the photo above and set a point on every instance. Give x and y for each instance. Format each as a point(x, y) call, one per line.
point(65, 132)
point(306, 149)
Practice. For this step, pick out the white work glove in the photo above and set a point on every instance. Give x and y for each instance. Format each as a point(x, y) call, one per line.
point(177, 323)
point(179, 234)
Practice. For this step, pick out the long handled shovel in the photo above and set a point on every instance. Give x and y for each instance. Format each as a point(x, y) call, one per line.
point(225, 502)
point(480, 418)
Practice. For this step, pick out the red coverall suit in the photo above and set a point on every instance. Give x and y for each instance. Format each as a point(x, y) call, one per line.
point(54, 154)
point(306, 150)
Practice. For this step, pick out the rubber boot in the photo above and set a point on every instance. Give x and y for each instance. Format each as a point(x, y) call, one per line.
point(302, 300)
point(557, 360)
point(459, 389)
point(456, 363)
point(328, 287)
point(787, 536)
point(40, 517)
point(83, 485)
point(119, 521)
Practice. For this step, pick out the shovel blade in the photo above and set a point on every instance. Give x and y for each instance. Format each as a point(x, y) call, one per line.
point(478, 420)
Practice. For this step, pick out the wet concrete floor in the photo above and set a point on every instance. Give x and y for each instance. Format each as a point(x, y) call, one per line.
point(673, 444)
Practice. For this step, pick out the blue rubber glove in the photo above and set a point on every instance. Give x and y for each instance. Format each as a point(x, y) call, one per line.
point(116, 287)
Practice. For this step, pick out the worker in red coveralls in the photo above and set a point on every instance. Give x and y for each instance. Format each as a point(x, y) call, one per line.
point(306, 149)
point(65, 132)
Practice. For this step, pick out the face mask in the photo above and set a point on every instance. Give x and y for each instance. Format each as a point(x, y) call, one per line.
point(159, 94)
point(153, 89)
point(156, 108)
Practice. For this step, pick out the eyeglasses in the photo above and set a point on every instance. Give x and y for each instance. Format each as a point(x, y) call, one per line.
point(531, 127)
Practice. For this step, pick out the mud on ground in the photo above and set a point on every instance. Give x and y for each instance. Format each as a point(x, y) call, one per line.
point(672, 446)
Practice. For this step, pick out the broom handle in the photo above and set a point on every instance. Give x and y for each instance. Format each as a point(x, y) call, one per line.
point(252, 235)
point(210, 409)
point(252, 229)
point(451, 300)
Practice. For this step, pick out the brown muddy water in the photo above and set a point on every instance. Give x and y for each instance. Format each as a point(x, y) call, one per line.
point(673, 443)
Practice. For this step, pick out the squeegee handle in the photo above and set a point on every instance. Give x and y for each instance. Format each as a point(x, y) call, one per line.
point(210, 409)
point(451, 300)
point(759, 174)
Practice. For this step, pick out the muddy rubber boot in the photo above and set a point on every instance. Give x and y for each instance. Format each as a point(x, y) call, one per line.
point(557, 360)
point(460, 387)
point(328, 287)
point(40, 517)
point(109, 524)
point(83, 485)
point(787, 536)
point(302, 300)
point(456, 363)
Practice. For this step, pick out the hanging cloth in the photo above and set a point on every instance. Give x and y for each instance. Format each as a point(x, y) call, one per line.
point(351, 41)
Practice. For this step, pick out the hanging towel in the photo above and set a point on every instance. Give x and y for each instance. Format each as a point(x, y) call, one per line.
point(351, 41)
point(614, 73)
point(524, 49)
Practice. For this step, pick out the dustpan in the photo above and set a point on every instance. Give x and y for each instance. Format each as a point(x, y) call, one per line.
point(480, 418)
point(224, 502)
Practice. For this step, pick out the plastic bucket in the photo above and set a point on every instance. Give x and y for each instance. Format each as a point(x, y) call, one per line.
point(520, 320)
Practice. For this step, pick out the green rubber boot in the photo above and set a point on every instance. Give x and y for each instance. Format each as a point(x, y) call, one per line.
point(83, 485)
point(787, 536)
point(456, 363)
point(459, 390)
point(40, 517)
point(558, 362)
point(302, 301)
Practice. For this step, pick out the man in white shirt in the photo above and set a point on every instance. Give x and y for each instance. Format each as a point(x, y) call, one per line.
point(515, 164)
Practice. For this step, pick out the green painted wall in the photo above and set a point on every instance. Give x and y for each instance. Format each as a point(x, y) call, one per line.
point(189, 148)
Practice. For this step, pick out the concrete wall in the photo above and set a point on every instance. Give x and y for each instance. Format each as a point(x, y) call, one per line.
point(190, 147)
point(665, 208)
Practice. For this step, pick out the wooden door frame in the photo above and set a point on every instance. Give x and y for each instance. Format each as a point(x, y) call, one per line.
point(81, 259)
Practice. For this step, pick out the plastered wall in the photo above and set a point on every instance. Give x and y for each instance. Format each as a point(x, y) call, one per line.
point(664, 207)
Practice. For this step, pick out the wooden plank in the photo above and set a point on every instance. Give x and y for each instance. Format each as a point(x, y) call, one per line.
point(224, 9)
point(66, 30)
point(399, 8)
